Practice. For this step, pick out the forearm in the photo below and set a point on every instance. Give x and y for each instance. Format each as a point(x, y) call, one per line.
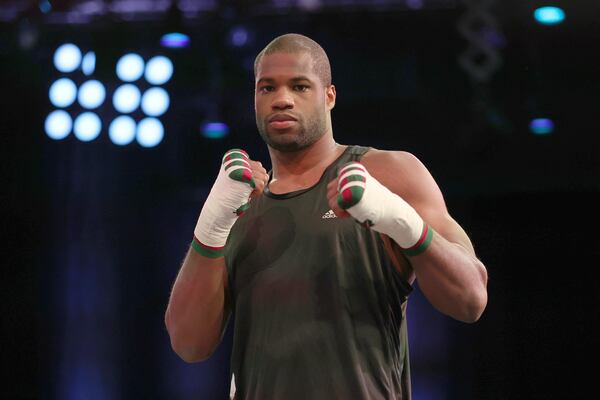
point(194, 316)
point(195, 311)
point(452, 279)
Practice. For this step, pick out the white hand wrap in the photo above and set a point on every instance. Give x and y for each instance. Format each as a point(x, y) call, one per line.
point(227, 199)
point(369, 201)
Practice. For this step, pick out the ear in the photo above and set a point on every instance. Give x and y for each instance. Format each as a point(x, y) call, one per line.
point(330, 97)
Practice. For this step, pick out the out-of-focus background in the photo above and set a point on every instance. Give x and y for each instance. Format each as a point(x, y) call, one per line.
point(115, 114)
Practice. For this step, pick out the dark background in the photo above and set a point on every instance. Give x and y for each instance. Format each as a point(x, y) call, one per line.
point(94, 234)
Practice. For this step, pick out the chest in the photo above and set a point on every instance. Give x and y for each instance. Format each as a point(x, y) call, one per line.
point(279, 186)
point(294, 240)
point(300, 225)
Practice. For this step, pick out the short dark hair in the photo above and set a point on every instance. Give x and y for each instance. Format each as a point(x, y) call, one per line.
point(296, 43)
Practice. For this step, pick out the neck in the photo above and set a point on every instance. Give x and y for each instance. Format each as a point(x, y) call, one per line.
point(317, 156)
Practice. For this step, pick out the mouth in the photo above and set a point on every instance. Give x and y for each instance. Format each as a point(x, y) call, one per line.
point(282, 121)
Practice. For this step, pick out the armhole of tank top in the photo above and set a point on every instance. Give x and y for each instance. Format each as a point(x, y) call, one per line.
point(402, 269)
point(229, 282)
point(356, 154)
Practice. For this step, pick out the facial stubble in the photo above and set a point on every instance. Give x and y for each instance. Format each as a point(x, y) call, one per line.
point(307, 133)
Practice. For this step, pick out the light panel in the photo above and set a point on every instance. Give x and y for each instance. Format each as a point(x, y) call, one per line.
point(126, 99)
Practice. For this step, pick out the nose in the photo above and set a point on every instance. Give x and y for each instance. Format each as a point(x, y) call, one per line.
point(282, 100)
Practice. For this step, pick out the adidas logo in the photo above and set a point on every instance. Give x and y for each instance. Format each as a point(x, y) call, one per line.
point(329, 214)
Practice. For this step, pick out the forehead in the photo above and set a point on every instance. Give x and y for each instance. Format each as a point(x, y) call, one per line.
point(285, 65)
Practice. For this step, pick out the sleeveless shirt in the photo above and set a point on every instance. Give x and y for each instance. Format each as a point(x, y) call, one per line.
point(319, 310)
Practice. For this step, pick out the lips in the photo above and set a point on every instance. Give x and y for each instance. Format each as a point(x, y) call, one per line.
point(281, 121)
point(281, 118)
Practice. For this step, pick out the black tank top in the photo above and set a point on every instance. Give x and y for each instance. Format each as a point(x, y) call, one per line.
point(318, 308)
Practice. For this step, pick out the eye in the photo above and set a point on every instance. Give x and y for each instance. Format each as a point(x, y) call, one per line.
point(265, 89)
point(301, 88)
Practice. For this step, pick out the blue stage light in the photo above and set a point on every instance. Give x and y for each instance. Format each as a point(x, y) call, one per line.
point(88, 64)
point(67, 58)
point(45, 6)
point(215, 130)
point(126, 98)
point(414, 4)
point(58, 124)
point(122, 130)
point(63, 92)
point(175, 40)
point(150, 132)
point(155, 102)
point(130, 67)
point(239, 36)
point(87, 126)
point(159, 70)
point(541, 126)
point(549, 15)
point(91, 94)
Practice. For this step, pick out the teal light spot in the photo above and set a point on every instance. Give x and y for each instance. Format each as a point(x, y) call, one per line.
point(549, 15)
point(541, 126)
point(215, 130)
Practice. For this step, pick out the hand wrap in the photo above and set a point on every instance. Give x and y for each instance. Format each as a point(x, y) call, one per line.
point(371, 203)
point(227, 200)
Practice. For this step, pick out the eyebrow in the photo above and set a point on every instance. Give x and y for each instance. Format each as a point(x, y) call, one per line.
point(294, 79)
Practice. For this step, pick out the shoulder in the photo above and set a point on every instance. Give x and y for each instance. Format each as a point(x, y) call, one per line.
point(394, 167)
point(386, 159)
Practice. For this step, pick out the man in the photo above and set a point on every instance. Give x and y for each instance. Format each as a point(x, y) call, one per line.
point(318, 268)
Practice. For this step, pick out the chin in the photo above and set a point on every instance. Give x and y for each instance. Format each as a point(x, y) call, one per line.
point(284, 141)
point(288, 141)
point(286, 147)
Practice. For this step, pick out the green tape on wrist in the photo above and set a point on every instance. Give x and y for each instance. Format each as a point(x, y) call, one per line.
point(208, 251)
point(422, 244)
point(242, 209)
